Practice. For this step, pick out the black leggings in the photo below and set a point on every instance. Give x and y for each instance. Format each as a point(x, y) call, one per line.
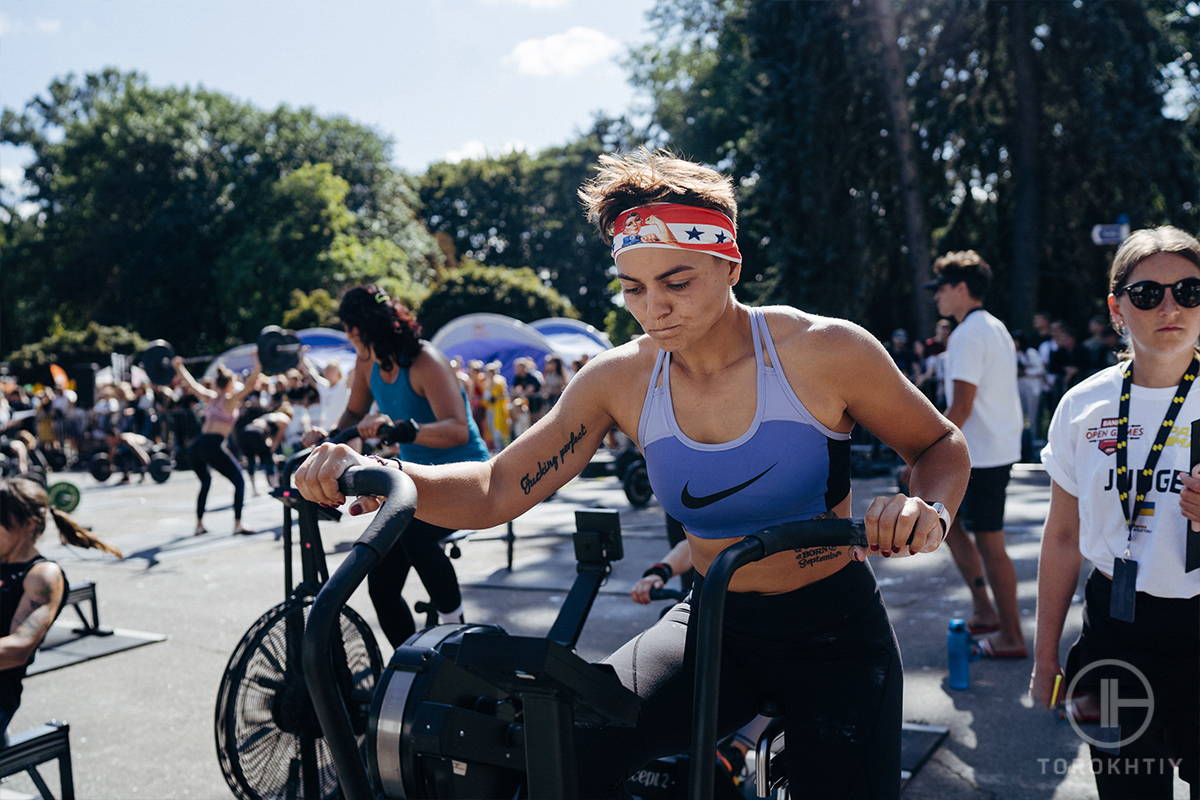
point(1163, 642)
point(210, 450)
point(418, 547)
point(254, 447)
point(825, 652)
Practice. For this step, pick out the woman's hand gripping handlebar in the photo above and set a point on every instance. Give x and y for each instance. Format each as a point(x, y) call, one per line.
point(320, 675)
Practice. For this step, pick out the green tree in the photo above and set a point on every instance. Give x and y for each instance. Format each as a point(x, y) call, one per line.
point(315, 309)
point(67, 346)
point(521, 210)
point(1030, 124)
point(150, 198)
point(475, 288)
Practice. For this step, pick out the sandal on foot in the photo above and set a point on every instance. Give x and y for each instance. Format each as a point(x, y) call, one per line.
point(986, 649)
point(1082, 716)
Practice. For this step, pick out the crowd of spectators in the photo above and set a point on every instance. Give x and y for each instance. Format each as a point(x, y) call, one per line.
point(1050, 360)
point(67, 429)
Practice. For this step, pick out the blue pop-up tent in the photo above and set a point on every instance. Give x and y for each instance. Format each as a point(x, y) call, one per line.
point(571, 338)
point(492, 337)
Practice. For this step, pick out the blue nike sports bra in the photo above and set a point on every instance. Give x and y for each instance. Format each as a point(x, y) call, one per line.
point(786, 467)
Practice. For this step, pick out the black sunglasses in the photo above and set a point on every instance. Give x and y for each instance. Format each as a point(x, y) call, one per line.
point(1148, 294)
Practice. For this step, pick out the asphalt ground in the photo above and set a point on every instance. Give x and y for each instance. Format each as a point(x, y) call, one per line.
point(142, 720)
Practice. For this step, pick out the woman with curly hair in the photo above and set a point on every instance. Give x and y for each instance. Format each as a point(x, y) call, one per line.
point(419, 393)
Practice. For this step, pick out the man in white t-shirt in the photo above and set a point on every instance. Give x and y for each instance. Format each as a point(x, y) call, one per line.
point(333, 389)
point(982, 398)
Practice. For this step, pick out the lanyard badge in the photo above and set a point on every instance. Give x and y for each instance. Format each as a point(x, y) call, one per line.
point(1124, 590)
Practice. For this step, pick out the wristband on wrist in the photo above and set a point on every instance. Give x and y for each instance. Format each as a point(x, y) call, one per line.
point(660, 569)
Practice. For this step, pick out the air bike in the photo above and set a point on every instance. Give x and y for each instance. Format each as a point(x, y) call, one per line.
point(468, 711)
point(269, 742)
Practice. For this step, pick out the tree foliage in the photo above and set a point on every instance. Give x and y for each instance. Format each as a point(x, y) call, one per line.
point(476, 288)
point(315, 309)
point(68, 346)
point(789, 98)
point(190, 216)
point(521, 210)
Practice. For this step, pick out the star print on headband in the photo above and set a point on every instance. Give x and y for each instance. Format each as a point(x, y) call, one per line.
point(674, 225)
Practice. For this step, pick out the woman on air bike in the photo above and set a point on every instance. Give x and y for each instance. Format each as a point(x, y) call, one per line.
point(744, 417)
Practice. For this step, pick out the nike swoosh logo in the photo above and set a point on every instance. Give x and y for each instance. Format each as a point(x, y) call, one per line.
point(689, 501)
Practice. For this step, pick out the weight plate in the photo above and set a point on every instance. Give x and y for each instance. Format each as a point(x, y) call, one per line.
point(156, 360)
point(64, 496)
point(278, 350)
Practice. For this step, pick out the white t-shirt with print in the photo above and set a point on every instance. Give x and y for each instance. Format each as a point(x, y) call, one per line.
point(980, 351)
point(1080, 457)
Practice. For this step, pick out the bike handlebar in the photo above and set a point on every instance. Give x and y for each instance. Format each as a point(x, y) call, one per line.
point(323, 619)
point(663, 593)
point(755, 547)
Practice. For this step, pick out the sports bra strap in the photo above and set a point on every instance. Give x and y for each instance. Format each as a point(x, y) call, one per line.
point(765, 333)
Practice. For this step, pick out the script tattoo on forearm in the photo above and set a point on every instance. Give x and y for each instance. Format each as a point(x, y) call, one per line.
point(554, 462)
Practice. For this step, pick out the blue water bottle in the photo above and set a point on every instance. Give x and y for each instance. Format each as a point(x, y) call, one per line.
point(958, 654)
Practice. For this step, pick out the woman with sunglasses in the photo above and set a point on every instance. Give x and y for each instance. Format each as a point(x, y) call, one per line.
point(744, 416)
point(1123, 494)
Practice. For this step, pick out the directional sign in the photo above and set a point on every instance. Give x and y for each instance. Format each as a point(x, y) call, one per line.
point(1110, 235)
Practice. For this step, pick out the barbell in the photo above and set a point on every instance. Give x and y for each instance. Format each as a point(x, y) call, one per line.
point(278, 351)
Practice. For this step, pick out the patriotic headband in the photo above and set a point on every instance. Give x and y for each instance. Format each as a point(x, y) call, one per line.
point(674, 225)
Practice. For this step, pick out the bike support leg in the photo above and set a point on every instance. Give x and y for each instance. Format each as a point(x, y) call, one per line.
point(549, 747)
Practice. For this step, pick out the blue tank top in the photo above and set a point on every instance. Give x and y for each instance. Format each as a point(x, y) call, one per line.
point(398, 400)
point(786, 467)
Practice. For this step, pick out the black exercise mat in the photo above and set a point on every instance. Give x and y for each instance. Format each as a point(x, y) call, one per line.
point(62, 647)
point(917, 743)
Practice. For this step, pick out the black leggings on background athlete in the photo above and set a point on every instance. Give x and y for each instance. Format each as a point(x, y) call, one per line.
point(825, 652)
point(210, 450)
point(418, 548)
point(254, 448)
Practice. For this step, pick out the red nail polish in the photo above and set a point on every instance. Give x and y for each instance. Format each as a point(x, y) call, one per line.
point(885, 554)
point(895, 549)
point(874, 547)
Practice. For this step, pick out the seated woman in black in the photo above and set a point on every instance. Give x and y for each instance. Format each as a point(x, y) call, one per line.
point(32, 587)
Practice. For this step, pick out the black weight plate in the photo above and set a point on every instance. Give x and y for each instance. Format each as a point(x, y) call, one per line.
point(100, 467)
point(156, 360)
point(278, 350)
point(160, 467)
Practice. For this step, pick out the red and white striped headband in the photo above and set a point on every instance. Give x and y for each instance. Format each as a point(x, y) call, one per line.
point(674, 225)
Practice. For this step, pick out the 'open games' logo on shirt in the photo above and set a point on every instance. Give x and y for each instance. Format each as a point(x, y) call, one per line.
point(1105, 435)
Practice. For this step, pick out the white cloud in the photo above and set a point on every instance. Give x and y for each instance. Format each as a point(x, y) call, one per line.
point(477, 149)
point(46, 25)
point(563, 53)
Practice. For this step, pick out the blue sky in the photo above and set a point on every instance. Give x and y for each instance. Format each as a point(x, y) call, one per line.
point(441, 78)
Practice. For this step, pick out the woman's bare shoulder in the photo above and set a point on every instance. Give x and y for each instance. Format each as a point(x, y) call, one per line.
point(790, 327)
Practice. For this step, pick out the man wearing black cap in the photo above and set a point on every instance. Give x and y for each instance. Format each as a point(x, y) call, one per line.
point(981, 389)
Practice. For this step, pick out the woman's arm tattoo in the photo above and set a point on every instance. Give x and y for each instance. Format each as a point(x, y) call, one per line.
point(555, 461)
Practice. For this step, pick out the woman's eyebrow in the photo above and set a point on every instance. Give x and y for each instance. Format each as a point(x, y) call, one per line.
point(663, 276)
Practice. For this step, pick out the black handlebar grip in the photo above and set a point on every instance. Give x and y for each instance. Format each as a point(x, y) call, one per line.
point(664, 593)
point(399, 505)
point(811, 533)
